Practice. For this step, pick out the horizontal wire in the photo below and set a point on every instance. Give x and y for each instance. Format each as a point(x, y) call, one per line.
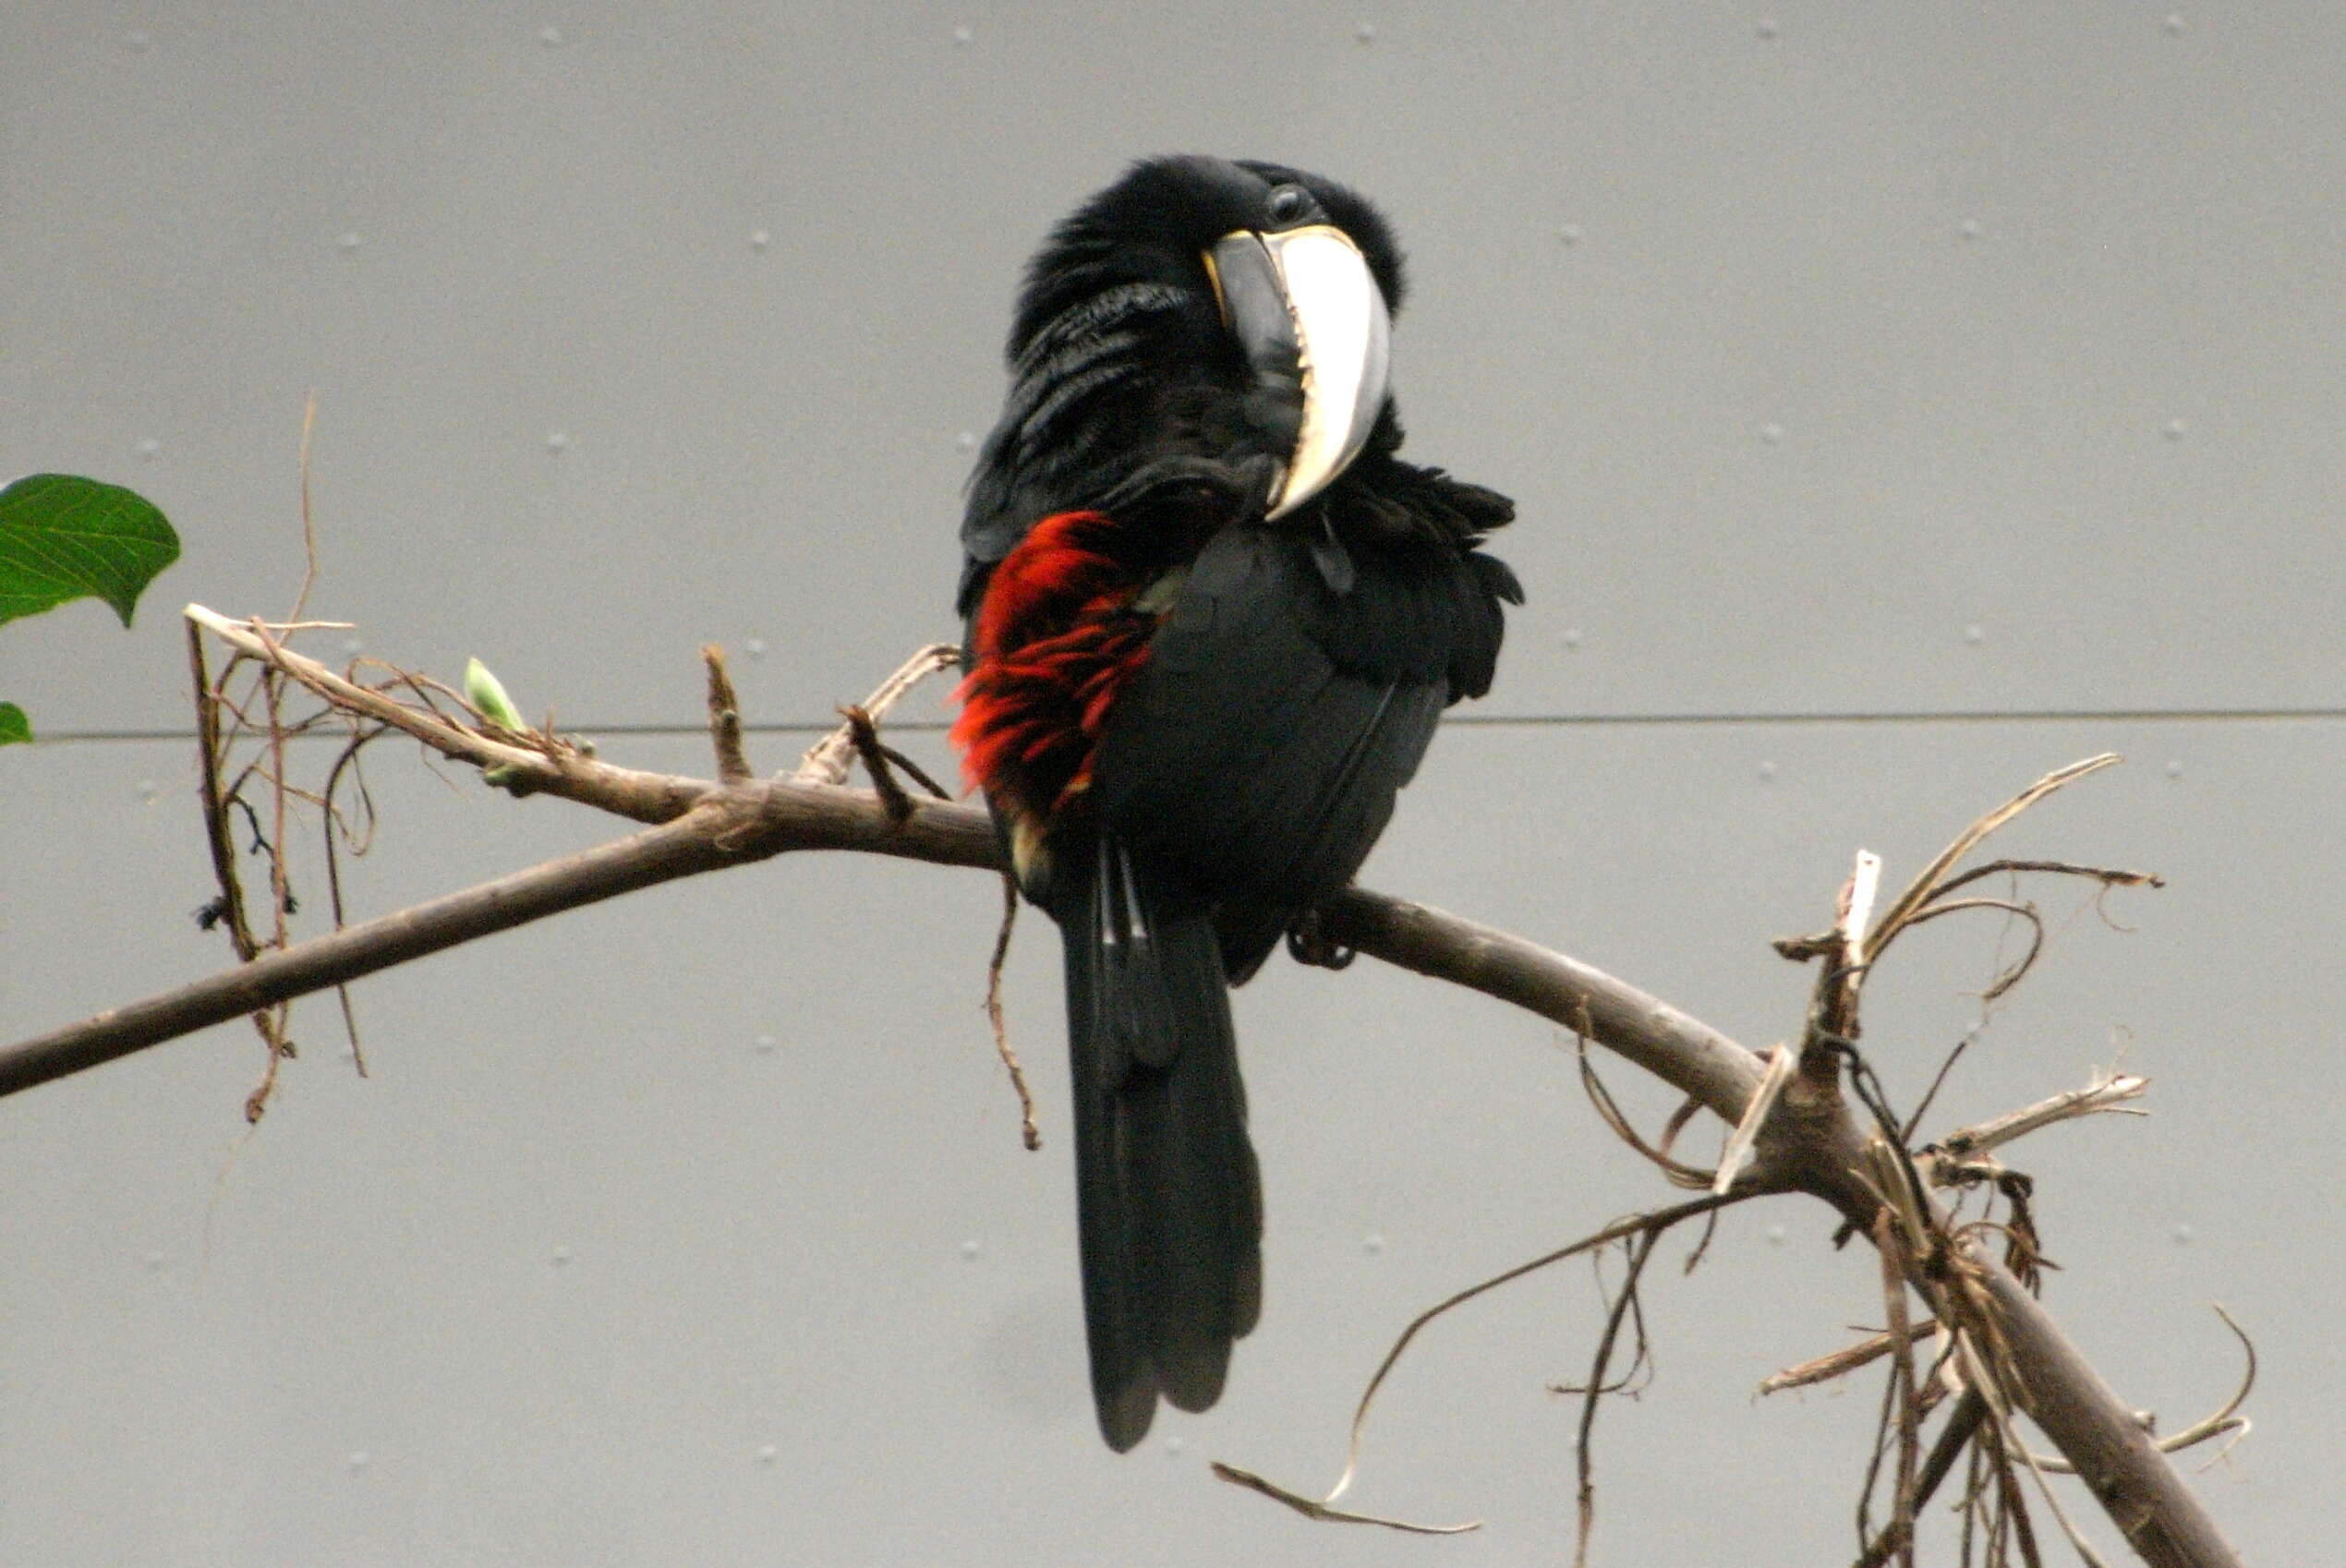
point(1488, 721)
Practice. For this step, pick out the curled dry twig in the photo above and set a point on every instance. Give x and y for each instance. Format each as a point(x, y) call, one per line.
point(1931, 881)
point(336, 825)
point(1678, 1172)
point(1324, 1507)
point(2017, 971)
point(2227, 1420)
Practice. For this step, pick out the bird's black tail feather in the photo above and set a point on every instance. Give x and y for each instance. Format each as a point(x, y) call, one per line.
point(1167, 1194)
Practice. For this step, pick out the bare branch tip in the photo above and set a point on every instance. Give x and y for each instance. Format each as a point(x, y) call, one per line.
point(725, 719)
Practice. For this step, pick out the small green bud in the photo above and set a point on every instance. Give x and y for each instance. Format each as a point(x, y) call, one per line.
point(485, 693)
point(511, 779)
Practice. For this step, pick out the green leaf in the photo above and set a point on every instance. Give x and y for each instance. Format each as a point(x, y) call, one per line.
point(14, 728)
point(485, 693)
point(64, 538)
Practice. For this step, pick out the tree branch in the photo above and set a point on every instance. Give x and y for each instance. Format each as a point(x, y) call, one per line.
point(1810, 1143)
point(727, 825)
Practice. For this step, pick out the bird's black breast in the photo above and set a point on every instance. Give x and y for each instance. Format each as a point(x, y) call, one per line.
point(1255, 756)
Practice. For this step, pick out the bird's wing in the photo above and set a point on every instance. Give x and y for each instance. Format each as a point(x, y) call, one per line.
point(1259, 749)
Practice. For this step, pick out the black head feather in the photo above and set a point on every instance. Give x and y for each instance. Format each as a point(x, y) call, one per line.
point(1155, 225)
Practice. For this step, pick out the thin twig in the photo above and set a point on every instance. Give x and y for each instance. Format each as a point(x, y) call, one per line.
point(831, 758)
point(1894, 1264)
point(334, 820)
point(905, 764)
point(2103, 1096)
point(1939, 1079)
point(1842, 1362)
point(1981, 1376)
point(1029, 1132)
point(1326, 1514)
point(1781, 1063)
point(1953, 1441)
point(309, 528)
point(2107, 876)
point(898, 804)
point(215, 811)
point(1929, 883)
point(1640, 1249)
point(280, 886)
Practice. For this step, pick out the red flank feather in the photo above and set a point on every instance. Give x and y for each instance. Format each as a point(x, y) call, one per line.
point(1056, 640)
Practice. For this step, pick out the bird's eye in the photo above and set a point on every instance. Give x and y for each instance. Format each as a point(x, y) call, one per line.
point(1289, 204)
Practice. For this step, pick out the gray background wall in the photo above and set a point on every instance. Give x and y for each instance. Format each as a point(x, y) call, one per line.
point(1848, 364)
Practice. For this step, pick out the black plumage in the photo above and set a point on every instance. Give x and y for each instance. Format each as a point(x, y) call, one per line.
point(1192, 718)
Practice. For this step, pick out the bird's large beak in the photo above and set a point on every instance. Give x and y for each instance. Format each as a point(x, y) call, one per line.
point(1313, 321)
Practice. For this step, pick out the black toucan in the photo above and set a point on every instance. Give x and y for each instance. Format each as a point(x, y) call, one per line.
point(1212, 621)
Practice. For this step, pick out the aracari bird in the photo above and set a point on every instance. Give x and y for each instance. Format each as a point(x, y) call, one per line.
point(1212, 620)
